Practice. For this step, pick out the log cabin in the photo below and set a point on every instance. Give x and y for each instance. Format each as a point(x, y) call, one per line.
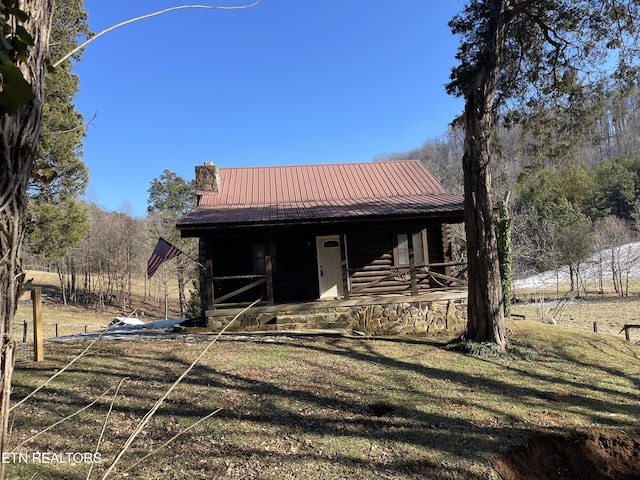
point(317, 233)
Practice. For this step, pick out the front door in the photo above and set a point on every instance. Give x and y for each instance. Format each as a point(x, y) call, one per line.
point(329, 266)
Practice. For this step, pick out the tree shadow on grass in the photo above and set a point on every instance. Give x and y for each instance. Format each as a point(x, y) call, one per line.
point(297, 401)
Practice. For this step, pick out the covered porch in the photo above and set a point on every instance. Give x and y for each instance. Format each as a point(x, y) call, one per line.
point(309, 263)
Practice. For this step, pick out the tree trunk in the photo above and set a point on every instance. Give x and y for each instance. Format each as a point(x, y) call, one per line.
point(73, 290)
point(165, 283)
point(505, 253)
point(572, 276)
point(62, 280)
point(18, 138)
point(129, 276)
point(180, 268)
point(485, 313)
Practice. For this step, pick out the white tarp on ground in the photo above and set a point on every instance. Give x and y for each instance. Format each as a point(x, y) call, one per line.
point(163, 330)
point(128, 332)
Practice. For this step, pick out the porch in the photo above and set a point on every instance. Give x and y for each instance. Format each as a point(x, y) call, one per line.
point(351, 283)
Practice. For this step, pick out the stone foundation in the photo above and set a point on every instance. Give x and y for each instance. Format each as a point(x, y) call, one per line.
point(424, 317)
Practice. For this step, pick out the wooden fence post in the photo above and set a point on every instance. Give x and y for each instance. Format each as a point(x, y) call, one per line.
point(626, 329)
point(38, 348)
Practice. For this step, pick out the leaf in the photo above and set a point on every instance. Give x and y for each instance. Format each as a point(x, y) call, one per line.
point(19, 14)
point(5, 46)
point(21, 49)
point(23, 40)
point(4, 56)
point(23, 35)
point(45, 175)
point(20, 42)
point(16, 91)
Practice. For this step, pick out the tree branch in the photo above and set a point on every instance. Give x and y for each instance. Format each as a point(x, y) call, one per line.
point(82, 125)
point(519, 8)
point(143, 17)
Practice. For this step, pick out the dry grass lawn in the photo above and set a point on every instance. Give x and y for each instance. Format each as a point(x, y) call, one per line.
point(610, 314)
point(323, 407)
point(70, 319)
point(318, 407)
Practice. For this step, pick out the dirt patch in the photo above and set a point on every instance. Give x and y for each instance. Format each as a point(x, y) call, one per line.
point(596, 455)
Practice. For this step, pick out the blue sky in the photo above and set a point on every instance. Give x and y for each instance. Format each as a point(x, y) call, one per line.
point(285, 82)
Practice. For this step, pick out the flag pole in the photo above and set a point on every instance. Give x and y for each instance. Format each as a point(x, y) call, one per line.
point(193, 260)
point(165, 251)
point(188, 256)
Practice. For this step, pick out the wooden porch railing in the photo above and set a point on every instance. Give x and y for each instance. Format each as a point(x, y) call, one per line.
point(260, 280)
point(404, 275)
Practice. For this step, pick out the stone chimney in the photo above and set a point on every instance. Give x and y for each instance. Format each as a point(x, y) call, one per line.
point(207, 179)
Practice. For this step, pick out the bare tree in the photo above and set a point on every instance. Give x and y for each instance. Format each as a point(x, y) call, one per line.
point(614, 253)
point(26, 26)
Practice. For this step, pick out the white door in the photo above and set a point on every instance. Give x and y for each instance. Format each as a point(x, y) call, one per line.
point(329, 266)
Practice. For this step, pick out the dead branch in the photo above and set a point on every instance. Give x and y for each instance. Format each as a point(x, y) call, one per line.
point(143, 17)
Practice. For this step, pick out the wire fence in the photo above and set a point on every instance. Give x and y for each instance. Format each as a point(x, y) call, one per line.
point(24, 330)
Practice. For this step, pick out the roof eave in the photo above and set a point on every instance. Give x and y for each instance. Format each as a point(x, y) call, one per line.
point(192, 230)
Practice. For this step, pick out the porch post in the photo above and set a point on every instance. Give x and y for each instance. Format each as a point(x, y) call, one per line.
point(268, 269)
point(412, 265)
point(206, 293)
point(446, 248)
point(343, 262)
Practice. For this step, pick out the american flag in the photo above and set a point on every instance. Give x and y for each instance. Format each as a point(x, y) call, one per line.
point(163, 251)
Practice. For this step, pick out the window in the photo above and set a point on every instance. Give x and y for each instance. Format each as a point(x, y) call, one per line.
point(257, 258)
point(401, 251)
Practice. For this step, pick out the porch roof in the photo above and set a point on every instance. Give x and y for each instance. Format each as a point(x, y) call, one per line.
point(322, 193)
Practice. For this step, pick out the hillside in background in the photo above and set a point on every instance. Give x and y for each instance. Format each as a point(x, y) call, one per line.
point(569, 175)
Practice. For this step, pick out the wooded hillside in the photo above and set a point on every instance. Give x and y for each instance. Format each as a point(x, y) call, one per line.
point(574, 178)
point(575, 189)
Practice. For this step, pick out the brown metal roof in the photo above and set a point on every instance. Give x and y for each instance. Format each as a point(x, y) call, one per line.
point(321, 192)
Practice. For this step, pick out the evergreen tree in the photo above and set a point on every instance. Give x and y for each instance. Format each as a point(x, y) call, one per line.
point(55, 202)
point(614, 191)
point(528, 51)
point(60, 145)
point(170, 198)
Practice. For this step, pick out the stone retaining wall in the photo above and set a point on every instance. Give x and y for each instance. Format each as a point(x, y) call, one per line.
point(417, 317)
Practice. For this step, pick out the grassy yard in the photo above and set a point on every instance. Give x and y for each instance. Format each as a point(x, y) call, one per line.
point(322, 407)
point(609, 313)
